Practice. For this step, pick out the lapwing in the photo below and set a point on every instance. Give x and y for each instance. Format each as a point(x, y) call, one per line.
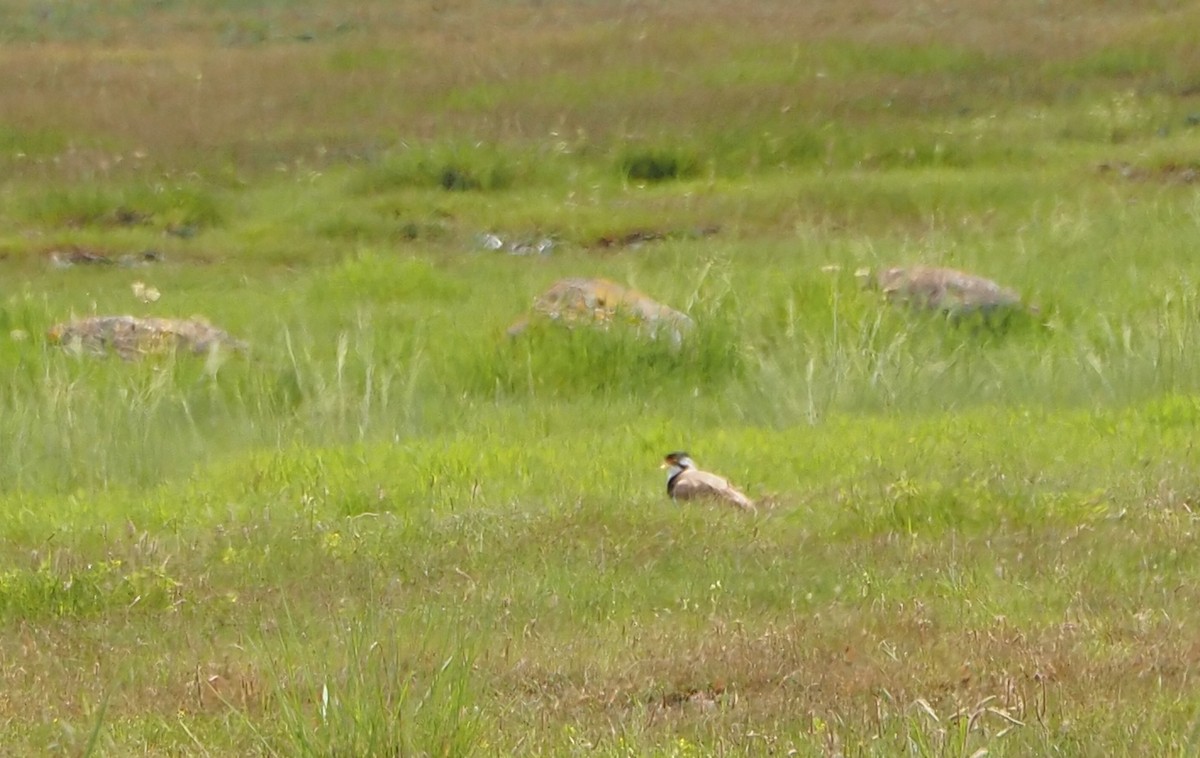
point(686, 482)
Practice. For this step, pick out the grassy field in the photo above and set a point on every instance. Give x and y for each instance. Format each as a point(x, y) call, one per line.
point(390, 530)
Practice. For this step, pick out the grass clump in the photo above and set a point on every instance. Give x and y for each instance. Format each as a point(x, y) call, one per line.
point(378, 277)
point(657, 165)
point(20, 144)
point(375, 696)
point(86, 590)
point(161, 206)
point(472, 168)
point(549, 359)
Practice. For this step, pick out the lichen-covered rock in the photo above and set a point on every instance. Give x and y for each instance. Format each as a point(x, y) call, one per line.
point(132, 337)
point(943, 289)
point(600, 302)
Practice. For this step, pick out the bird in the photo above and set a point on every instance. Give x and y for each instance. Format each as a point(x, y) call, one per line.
point(686, 482)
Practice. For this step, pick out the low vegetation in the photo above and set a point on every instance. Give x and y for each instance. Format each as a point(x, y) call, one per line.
point(388, 528)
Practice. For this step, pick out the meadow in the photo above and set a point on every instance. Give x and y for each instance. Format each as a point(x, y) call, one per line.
point(390, 530)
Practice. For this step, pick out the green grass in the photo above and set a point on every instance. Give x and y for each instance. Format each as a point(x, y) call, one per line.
point(391, 529)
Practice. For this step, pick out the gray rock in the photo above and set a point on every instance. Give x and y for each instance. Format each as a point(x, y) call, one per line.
point(132, 337)
point(947, 290)
point(599, 302)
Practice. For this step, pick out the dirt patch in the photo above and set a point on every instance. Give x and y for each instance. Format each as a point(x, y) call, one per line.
point(1167, 173)
point(691, 700)
point(73, 255)
point(635, 238)
point(130, 217)
point(905, 668)
point(216, 688)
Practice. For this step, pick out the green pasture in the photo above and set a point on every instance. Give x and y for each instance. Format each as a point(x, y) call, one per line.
point(388, 529)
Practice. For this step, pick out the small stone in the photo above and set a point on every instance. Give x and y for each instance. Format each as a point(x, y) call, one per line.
point(144, 293)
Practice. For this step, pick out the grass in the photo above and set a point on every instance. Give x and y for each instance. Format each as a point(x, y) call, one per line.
point(390, 529)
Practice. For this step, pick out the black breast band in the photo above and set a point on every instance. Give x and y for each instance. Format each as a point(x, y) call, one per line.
point(671, 482)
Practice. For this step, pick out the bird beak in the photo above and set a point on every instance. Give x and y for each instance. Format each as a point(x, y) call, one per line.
point(665, 465)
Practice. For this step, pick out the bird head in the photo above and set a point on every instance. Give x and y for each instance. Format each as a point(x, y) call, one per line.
point(677, 460)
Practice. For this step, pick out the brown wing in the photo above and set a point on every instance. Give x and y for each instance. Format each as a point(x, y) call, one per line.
point(693, 484)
